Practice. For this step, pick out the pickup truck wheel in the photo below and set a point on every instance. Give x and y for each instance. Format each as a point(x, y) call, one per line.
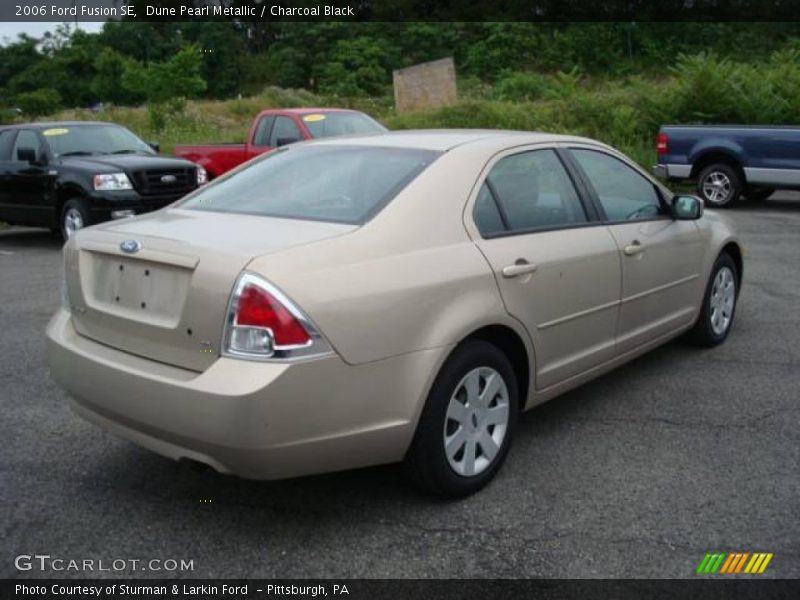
point(720, 185)
point(74, 216)
point(759, 194)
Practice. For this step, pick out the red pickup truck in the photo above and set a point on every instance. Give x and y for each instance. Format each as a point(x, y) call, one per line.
point(277, 127)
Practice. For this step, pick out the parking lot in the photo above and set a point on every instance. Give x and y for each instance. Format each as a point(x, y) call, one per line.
point(638, 474)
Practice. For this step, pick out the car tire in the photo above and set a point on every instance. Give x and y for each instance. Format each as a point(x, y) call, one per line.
point(720, 185)
point(759, 194)
point(463, 436)
point(719, 304)
point(74, 216)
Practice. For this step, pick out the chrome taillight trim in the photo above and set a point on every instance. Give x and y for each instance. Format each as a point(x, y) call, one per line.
point(317, 346)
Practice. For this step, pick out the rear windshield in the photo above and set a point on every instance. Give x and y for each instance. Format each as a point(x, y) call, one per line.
point(343, 184)
point(341, 123)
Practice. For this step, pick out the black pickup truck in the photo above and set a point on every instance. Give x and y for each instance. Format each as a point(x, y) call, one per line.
point(68, 175)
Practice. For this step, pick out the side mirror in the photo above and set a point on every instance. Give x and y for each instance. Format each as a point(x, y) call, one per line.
point(687, 208)
point(27, 155)
point(285, 141)
point(155, 146)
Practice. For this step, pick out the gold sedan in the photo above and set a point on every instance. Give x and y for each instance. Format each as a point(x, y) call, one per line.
point(397, 297)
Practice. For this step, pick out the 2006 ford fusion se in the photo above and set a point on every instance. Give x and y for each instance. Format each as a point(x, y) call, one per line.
point(396, 297)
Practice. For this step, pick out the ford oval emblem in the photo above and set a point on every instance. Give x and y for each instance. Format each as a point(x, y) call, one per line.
point(130, 246)
point(168, 179)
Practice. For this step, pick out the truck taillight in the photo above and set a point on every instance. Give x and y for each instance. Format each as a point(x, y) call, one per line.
point(661, 143)
point(263, 323)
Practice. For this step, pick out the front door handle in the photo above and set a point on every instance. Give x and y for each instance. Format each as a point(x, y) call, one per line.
point(520, 267)
point(633, 248)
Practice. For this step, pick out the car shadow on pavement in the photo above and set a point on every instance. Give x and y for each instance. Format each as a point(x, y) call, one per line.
point(19, 238)
point(127, 470)
point(777, 203)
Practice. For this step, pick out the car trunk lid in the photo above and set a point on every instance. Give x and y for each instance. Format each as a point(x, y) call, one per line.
point(166, 297)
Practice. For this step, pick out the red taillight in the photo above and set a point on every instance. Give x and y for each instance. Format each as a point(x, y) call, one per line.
point(258, 308)
point(661, 143)
point(264, 324)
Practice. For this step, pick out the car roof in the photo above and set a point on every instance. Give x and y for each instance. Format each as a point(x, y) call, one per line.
point(304, 111)
point(53, 124)
point(443, 140)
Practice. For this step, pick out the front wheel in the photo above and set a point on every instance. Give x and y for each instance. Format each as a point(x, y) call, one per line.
point(466, 426)
point(720, 185)
point(719, 304)
point(74, 216)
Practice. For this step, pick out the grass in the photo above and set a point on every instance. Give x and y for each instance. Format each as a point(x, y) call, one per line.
point(217, 121)
point(624, 111)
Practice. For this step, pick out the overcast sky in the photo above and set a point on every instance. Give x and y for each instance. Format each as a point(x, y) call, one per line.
point(10, 31)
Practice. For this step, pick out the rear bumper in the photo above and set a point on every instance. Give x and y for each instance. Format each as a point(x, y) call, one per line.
point(255, 420)
point(672, 171)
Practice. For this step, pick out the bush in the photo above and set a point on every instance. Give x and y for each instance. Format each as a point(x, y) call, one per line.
point(39, 102)
point(520, 87)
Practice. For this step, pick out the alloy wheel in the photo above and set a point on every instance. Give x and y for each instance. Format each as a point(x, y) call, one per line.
point(73, 221)
point(717, 187)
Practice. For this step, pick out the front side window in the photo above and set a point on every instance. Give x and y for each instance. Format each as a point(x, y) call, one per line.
point(526, 192)
point(343, 184)
point(284, 131)
point(624, 193)
point(260, 137)
point(28, 140)
point(6, 143)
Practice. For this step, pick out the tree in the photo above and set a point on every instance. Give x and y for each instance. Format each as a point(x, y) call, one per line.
point(166, 84)
point(109, 67)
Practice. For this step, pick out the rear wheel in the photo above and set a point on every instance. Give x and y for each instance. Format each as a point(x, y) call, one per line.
point(74, 216)
point(719, 304)
point(466, 426)
point(720, 185)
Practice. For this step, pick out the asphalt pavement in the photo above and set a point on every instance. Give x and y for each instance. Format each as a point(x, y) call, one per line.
point(637, 474)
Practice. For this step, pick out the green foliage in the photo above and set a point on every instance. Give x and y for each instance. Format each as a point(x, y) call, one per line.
point(39, 102)
point(167, 84)
point(356, 67)
point(107, 83)
point(520, 87)
point(564, 84)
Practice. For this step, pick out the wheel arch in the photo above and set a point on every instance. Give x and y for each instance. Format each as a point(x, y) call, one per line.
point(712, 156)
point(510, 343)
point(734, 250)
point(66, 192)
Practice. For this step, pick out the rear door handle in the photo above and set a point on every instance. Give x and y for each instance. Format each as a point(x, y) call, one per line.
point(520, 267)
point(633, 248)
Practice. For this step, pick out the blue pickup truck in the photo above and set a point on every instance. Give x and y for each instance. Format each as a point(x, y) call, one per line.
point(728, 162)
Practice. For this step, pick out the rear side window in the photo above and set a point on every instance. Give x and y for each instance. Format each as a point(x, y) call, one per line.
point(487, 213)
point(531, 191)
point(6, 142)
point(27, 139)
point(343, 184)
point(624, 193)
